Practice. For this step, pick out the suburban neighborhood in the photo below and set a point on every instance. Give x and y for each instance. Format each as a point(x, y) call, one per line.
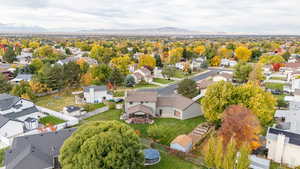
point(149, 84)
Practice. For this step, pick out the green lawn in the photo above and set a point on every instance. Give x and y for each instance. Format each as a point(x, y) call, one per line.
point(92, 107)
point(278, 78)
point(277, 166)
point(56, 101)
point(173, 126)
point(2, 156)
point(119, 93)
point(278, 86)
point(179, 74)
point(145, 85)
point(169, 161)
point(162, 81)
point(51, 120)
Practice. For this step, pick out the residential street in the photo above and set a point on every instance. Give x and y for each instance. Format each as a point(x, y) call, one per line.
point(168, 90)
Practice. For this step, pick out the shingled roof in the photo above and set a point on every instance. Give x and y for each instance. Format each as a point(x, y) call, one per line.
point(35, 151)
point(177, 101)
point(7, 101)
point(141, 96)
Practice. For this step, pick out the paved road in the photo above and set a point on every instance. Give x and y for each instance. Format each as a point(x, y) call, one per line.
point(168, 90)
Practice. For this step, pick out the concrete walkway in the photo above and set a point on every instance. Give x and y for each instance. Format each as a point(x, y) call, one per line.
point(92, 113)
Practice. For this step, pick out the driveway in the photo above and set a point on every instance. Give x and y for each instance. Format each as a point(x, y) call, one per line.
point(92, 113)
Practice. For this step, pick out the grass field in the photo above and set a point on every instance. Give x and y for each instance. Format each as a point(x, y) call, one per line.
point(92, 107)
point(145, 85)
point(56, 101)
point(173, 126)
point(51, 120)
point(278, 86)
point(162, 81)
point(169, 161)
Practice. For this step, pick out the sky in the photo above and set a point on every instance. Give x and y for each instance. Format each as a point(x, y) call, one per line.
point(249, 16)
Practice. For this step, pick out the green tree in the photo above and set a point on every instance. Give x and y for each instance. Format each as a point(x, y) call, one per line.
point(52, 76)
point(188, 88)
point(129, 81)
point(102, 54)
point(168, 72)
point(256, 53)
point(158, 60)
point(242, 71)
point(5, 86)
point(9, 55)
point(23, 90)
point(71, 74)
point(116, 77)
point(101, 73)
point(102, 145)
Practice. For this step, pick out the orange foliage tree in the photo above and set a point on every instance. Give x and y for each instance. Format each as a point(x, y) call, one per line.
point(241, 124)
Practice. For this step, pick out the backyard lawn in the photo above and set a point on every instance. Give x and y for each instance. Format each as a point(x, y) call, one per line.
point(173, 127)
point(169, 161)
point(162, 81)
point(145, 85)
point(92, 107)
point(56, 101)
point(51, 120)
point(277, 86)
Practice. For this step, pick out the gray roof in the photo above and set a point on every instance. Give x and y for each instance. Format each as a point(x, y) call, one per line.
point(96, 88)
point(24, 112)
point(3, 120)
point(25, 77)
point(139, 96)
point(72, 108)
point(35, 151)
point(177, 101)
point(293, 138)
point(7, 101)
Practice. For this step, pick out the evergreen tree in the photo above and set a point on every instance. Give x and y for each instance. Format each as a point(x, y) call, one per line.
point(5, 86)
point(9, 55)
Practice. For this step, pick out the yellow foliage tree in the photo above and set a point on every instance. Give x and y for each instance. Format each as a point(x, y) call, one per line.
point(225, 53)
point(38, 87)
point(175, 55)
point(199, 49)
point(243, 54)
point(121, 63)
point(216, 61)
point(147, 60)
point(86, 79)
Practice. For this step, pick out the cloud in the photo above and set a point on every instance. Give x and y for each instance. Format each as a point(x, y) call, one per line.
point(209, 16)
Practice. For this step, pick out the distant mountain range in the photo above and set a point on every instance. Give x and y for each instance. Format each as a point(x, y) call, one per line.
point(20, 28)
point(158, 30)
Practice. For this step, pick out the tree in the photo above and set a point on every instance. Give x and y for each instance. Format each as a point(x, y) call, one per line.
point(34, 45)
point(71, 74)
point(175, 55)
point(270, 59)
point(257, 75)
point(86, 79)
point(37, 64)
point(52, 76)
point(5, 86)
point(101, 73)
point(199, 50)
point(147, 61)
point(242, 71)
point(9, 55)
point(99, 145)
point(101, 54)
point(256, 53)
point(276, 66)
point(243, 160)
point(158, 60)
point(217, 98)
point(225, 53)
point(243, 54)
point(188, 88)
point(240, 124)
point(168, 72)
point(121, 63)
point(116, 77)
point(38, 88)
point(23, 90)
point(209, 154)
point(129, 81)
point(215, 61)
point(222, 94)
point(230, 155)
point(219, 152)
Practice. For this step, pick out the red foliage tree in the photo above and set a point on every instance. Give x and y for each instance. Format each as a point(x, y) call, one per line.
point(239, 123)
point(276, 66)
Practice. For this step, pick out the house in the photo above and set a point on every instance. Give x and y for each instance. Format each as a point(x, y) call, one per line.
point(19, 113)
point(142, 74)
point(283, 146)
point(224, 75)
point(96, 94)
point(295, 98)
point(67, 60)
point(22, 77)
point(196, 63)
point(228, 63)
point(25, 56)
point(73, 110)
point(39, 151)
point(202, 85)
point(289, 119)
point(145, 105)
point(182, 143)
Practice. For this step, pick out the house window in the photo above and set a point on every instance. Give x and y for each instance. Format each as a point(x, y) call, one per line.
point(177, 113)
point(160, 112)
point(146, 102)
point(130, 103)
point(142, 102)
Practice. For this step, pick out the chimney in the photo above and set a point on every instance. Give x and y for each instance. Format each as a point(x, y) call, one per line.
point(279, 148)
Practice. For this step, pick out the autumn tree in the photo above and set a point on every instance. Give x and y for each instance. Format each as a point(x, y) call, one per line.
point(121, 63)
point(257, 75)
point(225, 53)
point(188, 88)
point(102, 54)
point(38, 88)
point(199, 50)
point(86, 79)
point(168, 72)
point(5, 86)
point(243, 54)
point(147, 61)
point(243, 160)
point(241, 124)
point(271, 59)
point(230, 155)
point(175, 55)
point(23, 90)
point(101, 73)
point(102, 145)
point(215, 61)
point(9, 55)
